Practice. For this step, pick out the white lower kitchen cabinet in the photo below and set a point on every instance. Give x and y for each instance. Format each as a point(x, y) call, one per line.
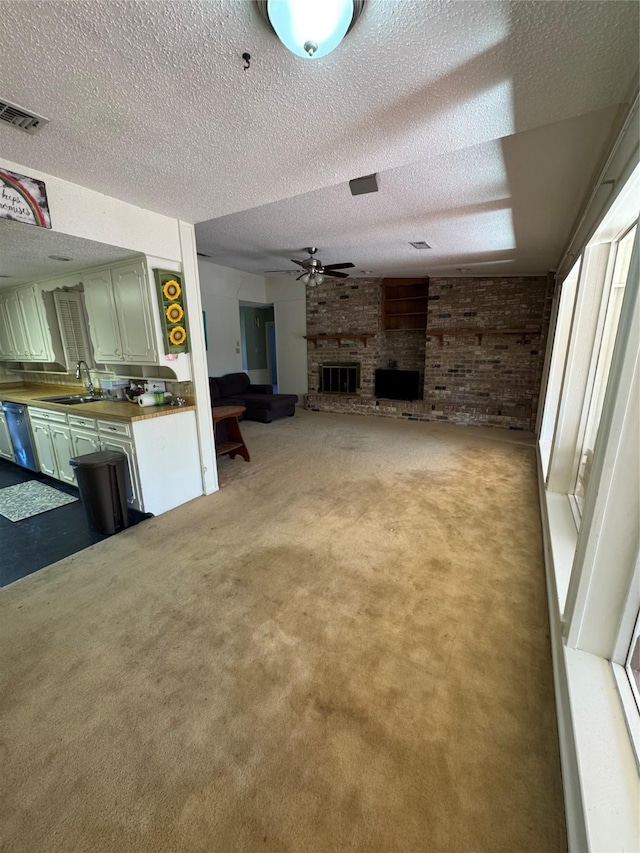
point(6, 448)
point(163, 459)
point(168, 460)
point(63, 452)
point(52, 439)
point(41, 431)
point(83, 442)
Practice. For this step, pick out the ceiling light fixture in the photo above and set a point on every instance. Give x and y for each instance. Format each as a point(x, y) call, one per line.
point(311, 28)
point(311, 278)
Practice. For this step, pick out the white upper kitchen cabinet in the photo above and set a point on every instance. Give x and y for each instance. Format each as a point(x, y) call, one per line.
point(103, 322)
point(24, 329)
point(35, 324)
point(133, 309)
point(120, 315)
point(7, 347)
point(17, 326)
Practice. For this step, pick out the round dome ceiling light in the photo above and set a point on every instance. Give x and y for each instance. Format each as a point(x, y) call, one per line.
point(311, 28)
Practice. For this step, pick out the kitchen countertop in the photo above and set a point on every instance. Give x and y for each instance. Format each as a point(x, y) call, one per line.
point(114, 411)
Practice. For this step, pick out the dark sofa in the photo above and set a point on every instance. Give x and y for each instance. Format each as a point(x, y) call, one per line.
point(261, 404)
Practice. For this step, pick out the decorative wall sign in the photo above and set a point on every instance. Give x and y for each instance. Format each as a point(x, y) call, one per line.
point(172, 313)
point(23, 199)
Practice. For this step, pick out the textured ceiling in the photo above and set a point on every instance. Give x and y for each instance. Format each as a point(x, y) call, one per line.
point(149, 102)
point(25, 250)
point(502, 207)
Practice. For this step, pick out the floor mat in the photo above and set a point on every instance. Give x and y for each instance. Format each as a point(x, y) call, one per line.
point(31, 498)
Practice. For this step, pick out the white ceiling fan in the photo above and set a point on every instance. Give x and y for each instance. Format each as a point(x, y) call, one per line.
point(314, 271)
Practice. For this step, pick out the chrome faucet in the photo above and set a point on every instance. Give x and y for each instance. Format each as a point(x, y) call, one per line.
point(89, 383)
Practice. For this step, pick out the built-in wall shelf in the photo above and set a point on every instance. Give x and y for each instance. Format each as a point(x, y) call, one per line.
point(405, 304)
point(479, 333)
point(341, 336)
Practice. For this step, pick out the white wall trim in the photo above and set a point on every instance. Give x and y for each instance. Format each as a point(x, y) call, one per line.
point(198, 359)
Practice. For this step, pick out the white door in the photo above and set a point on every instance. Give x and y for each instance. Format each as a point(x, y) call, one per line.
point(61, 439)
point(44, 447)
point(16, 325)
point(38, 339)
point(83, 442)
point(7, 346)
point(6, 448)
point(121, 445)
point(132, 298)
point(103, 322)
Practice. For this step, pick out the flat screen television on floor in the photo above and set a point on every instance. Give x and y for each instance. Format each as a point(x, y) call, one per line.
point(398, 384)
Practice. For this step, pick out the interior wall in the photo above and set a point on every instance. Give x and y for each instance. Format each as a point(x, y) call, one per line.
point(489, 382)
point(81, 212)
point(84, 213)
point(290, 308)
point(222, 290)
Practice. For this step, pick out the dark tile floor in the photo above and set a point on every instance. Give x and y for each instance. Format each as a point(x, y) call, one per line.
point(36, 542)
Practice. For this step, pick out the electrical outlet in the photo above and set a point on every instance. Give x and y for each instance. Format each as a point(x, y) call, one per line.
point(153, 385)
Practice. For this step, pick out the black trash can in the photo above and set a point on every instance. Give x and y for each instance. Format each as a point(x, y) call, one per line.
point(102, 480)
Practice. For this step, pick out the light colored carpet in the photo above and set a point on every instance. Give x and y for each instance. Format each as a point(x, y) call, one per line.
point(345, 649)
point(24, 500)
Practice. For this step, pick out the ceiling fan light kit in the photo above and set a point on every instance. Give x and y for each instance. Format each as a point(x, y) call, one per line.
point(315, 272)
point(311, 28)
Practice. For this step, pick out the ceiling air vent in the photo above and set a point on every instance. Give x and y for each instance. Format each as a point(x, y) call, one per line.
point(18, 117)
point(420, 245)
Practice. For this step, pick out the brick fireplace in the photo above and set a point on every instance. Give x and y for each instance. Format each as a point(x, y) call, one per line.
point(480, 360)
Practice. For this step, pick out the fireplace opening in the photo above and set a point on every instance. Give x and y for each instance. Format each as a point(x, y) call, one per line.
point(398, 384)
point(339, 378)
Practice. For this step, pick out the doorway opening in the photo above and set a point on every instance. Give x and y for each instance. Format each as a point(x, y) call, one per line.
point(258, 343)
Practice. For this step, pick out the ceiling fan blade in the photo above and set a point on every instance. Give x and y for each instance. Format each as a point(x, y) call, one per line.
point(302, 264)
point(338, 266)
point(334, 274)
point(266, 272)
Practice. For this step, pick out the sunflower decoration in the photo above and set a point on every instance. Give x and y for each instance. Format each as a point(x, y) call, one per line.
point(177, 335)
point(171, 289)
point(174, 313)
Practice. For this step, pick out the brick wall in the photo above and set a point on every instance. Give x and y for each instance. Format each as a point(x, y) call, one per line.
point(494, 381)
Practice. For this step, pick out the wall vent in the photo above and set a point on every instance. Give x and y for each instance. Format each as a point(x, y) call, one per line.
point(420, 244)
point(22, 119)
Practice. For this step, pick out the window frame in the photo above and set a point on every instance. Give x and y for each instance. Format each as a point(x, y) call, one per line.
point(604, 343)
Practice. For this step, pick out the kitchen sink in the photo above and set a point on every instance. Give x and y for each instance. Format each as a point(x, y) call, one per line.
point(72, 399)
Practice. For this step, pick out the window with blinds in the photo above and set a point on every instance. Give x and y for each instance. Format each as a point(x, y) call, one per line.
point(73, 328)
